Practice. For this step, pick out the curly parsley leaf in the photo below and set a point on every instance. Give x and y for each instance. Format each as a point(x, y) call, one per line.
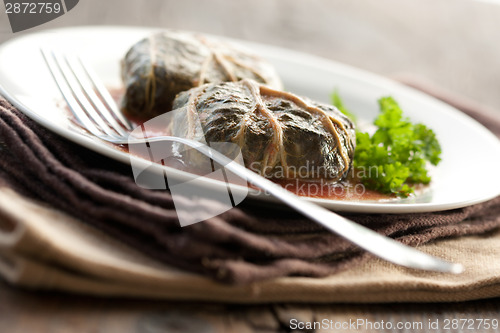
point(397, 155)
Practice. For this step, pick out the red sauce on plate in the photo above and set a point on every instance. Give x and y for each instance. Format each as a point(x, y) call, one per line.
point(346, 190)
point(350, 189)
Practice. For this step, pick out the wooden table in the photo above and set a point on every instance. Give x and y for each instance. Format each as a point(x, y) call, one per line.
point(23, 311)
point(455, 44)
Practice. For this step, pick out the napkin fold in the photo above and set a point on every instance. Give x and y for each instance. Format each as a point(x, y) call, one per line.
point(44, 248)
point(71, 219)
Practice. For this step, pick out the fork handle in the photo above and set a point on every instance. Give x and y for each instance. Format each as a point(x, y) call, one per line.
point(381, 246)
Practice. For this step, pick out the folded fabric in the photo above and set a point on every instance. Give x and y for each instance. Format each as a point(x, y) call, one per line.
point(244, 245)
point(44, 248)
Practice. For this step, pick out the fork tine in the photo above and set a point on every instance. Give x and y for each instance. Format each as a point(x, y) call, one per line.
point(89, 87)
point(66, 91)
point(78, 92)
point(106, 96)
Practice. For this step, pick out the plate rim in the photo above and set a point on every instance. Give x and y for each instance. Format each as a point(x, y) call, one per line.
point(292, 56)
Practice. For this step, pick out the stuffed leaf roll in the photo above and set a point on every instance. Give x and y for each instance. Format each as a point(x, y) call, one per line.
point(159, 67)
point(280, 135)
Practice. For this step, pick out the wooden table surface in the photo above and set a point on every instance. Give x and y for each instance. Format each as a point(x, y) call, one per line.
point(30, 311)
point(454, 43)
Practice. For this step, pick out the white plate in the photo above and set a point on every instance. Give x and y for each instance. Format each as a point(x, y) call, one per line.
point(467, 175)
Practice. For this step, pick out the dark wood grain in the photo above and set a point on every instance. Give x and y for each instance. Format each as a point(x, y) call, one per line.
point(453, 43)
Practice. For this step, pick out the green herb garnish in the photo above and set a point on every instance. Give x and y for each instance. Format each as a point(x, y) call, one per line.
point(396, 156)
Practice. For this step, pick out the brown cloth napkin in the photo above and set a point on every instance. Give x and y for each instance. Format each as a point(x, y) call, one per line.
point(244, 245)
point(44, 248)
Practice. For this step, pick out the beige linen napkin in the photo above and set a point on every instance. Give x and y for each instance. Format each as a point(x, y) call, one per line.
point(46, 249)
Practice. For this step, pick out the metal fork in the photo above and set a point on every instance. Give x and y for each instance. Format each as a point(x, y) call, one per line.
point(95, 109)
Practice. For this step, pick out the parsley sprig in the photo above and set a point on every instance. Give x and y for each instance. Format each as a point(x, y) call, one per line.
point(397, 155)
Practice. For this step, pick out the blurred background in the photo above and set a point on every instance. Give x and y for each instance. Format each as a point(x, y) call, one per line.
point(453, 43)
